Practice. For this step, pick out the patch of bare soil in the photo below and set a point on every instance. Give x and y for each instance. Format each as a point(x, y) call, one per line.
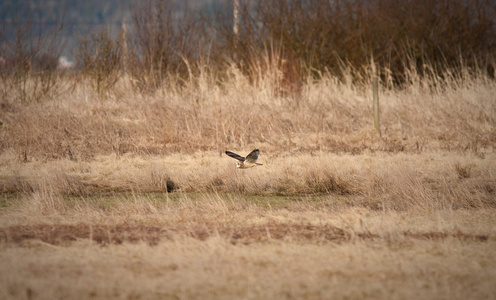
point(103, 234)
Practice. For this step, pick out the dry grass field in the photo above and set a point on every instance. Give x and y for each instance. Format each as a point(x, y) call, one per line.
point(129, 195)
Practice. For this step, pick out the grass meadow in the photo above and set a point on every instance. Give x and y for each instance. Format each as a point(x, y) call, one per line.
point(128, 195)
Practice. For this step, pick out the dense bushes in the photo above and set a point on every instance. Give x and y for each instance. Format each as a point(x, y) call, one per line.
point(400, 35)
point(297, 37)
point(100, 57)
point(163, 39)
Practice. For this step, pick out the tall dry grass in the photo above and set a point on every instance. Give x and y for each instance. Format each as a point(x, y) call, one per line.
point(398, 182)
point(204, 114)
point(274, 96)
point(117, 143)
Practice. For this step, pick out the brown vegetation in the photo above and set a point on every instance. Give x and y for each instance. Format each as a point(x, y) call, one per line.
point(224, 246)
point(115, 185)
point(202, 115)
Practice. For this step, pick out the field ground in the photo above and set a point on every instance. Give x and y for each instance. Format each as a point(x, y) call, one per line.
point(369, 226)
point(128, 195)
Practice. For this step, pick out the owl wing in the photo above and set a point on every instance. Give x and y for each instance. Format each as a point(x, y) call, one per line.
point(253, 156)
point(236, 156)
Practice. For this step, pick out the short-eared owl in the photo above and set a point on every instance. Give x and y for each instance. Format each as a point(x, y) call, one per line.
point(246, 162)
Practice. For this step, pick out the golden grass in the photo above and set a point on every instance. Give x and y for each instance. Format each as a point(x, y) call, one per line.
point(364, 226)
point(203, 114)
point(377, 181)
point(217, 248)
point(215, 269)
point(131, 196)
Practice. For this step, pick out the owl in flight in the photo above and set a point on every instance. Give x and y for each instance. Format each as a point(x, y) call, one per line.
point(246, 162)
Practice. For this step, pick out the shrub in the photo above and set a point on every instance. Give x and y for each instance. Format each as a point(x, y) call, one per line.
point(29, 57)
point(100, 57)
point(165, 39)
point(401, 36)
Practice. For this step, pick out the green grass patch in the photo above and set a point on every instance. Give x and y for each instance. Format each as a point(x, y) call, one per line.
point(108, 200)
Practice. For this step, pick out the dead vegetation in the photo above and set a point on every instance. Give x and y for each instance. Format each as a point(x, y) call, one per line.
point(329, 116)
point(376, 181)
point(220, 246)
point(137, 185)
point(115, 185)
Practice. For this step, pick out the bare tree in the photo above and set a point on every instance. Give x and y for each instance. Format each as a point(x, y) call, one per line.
point(29, 56)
